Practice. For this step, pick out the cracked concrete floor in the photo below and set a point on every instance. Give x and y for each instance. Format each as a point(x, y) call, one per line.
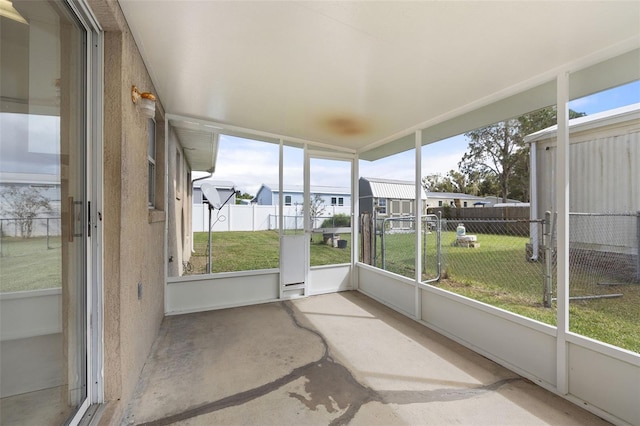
point(335, 359)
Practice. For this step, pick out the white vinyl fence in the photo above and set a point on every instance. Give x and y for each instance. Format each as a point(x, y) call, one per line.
point(235, 217)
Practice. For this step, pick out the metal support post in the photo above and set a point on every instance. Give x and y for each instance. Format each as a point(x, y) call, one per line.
point(548, 260)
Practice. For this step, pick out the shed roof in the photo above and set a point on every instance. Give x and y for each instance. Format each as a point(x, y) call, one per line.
point(393, 189)
point(612, 116)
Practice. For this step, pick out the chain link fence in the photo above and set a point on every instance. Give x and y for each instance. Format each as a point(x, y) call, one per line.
point(21, 232)
point(495, 258)
point(392, 241)
point(483, 255)
point(514, 261)
point(603, 253)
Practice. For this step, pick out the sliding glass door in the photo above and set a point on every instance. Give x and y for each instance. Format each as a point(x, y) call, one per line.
point(44, 229)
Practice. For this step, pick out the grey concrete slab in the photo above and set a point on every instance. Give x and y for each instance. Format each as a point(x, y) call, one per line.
point(329, 360)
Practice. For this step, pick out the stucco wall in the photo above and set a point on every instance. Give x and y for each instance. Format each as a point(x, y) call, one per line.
point(179, 206)
point(133, 234)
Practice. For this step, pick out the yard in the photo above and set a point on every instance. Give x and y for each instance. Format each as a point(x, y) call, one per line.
point(251, 250)
point(496, 273)
point(29, 264)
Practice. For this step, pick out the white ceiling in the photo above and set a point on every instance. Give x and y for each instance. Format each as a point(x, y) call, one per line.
point(358, 74)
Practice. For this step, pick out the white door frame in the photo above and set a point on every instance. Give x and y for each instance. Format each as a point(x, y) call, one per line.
point(94, 51)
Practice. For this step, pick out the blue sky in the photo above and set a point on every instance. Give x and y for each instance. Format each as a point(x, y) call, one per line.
point(249, 163)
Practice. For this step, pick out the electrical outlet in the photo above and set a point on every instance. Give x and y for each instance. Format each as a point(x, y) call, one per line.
point(140, 291)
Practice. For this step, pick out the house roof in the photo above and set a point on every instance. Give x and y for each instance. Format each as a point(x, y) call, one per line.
point(357, 76)
point(315, 189)
point(612, 116)
point(454, 196)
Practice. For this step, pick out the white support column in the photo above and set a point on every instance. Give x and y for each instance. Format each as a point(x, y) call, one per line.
point(534, 226)
point(418, 225)
point(280, 186)
point(281, 215)
point(562, 203)
point(355, 220)
point(306, 208)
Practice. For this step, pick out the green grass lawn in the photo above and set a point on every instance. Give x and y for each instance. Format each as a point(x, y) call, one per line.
point(246, 251)
point(27, 264)
point(499, 274)
point(496, 273)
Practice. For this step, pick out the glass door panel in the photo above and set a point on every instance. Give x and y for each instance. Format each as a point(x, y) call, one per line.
point(43, 210)
point(330, 211)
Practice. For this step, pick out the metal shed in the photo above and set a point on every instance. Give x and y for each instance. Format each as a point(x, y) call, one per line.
point(392, 197)
point(604, 193)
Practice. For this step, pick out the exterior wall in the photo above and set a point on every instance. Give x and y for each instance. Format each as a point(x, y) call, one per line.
point(179, 206)
point(264, 197)
point(133, 234)
point(269, 197)
point(604, 175)
point(296, 198)
point(365, 196)
point(436, 202)
point(605, 170)
point(327, 199)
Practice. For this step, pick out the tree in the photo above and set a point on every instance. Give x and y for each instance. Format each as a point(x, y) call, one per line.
point(499, 151)
point(23, 205)
point(465, 183)
point(317, 208)
point(492, 150)
point(436, 183)
point(244, 196)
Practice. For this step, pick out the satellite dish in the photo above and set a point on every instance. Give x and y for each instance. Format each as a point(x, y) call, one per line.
point(211, 194)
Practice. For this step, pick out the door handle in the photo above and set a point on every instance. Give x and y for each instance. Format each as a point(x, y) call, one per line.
point(73, 219)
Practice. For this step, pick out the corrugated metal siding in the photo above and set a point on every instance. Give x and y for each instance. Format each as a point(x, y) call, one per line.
point(604, 178)
point(604, 173)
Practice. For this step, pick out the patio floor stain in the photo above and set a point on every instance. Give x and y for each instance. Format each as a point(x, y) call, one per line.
point(332, 385)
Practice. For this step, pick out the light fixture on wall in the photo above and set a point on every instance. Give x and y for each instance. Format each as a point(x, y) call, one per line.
point(7, 10)
point(145, 102)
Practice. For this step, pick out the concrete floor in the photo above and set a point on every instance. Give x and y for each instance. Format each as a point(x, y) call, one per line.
point(329, 360)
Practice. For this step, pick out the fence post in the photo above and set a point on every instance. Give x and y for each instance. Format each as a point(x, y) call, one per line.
point(548, 259)
point(365, 224)
point(374, 241)
point(383, 247)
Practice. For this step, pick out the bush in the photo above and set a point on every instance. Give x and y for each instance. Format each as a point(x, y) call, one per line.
point(337, 221)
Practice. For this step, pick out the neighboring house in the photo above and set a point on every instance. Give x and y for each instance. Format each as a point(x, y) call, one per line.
point(492, 200)
point(225, 189)
point(454, 199)
point(396, 197)
point(391, 197)
point(268, 195)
